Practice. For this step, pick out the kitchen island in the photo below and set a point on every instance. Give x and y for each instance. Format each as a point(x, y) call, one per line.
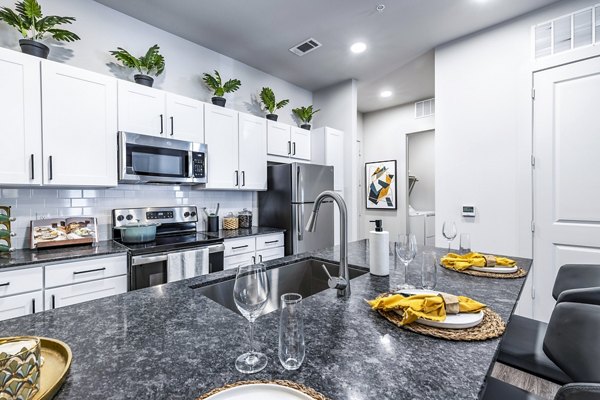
point(171, 342)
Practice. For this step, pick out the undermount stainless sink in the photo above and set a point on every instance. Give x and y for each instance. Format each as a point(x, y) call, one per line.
point(304, 277)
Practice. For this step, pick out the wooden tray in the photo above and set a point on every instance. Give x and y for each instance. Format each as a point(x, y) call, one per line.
point(57, 357)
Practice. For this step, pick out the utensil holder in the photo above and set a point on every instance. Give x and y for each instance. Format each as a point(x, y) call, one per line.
point(212, 223)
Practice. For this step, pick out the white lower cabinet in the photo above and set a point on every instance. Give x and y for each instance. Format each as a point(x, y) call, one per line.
point(235, 261)
point(21, 292)
point(270, 254)
point(253, 249)
point(73, 294)
point(20, 305)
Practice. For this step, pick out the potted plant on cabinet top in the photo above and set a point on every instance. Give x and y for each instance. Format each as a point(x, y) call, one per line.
point(29, 20)
point(305, 114)
point(268, 99)
point(219, 88)
point(153, 63)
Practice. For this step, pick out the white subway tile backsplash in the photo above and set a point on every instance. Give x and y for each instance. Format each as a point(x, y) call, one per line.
point(16, 193)
point(69, 194)
point(83, 202)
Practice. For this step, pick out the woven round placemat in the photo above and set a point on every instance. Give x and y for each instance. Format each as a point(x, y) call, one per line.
point(491, 327)
point(294, 385)
point(520, 273)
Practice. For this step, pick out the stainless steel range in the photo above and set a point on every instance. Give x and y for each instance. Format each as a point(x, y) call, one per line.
point(178, 251)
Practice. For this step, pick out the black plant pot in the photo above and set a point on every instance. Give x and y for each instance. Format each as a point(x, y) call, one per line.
point(305, 126)
point(143, 80)
point(272, 117)
point(34, 48)
point(219, 101)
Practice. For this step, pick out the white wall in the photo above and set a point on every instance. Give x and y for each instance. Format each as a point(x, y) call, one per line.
point(103, 29)
point(338, 105)
point(421, 163)
point(385, 139)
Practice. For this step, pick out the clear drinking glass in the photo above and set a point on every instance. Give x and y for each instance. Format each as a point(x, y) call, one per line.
point(406, 250)
point(429, 270)
point(291, 332)
point(250, 293)
point(465, 243)
point(449, 232)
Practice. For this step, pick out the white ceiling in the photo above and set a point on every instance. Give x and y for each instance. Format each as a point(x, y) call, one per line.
point(260, 32)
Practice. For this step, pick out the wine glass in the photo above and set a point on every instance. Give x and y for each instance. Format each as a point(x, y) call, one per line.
point(449, 232)
point(406, 250)
point(250, 293)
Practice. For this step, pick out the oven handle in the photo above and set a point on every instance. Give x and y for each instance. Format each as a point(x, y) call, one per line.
point(217, 248)
point(141, 260)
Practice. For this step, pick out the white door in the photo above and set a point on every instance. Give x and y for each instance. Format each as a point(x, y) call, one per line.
point(81, 292)
point(334, 155)
point(21, 119)
point(79, 122)
point(185, 118)
point(20, 305)
point(278, 139)
point(142, 109)
point(221, 137)
point(300, 143)
point(566, 185)
point(253, 152)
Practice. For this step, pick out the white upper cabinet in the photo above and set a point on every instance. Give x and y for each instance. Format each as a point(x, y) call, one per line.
point(21, 132)
point(252, 152)
point(300, 139)
point(79, 122)
point(221, 137)
point(328, 149)
point(142, 109)
point(279, 143)
point(185, 118)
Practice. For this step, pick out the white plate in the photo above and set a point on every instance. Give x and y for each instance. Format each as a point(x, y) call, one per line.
point(262, 391)
point(496, 270)
point(453, 321)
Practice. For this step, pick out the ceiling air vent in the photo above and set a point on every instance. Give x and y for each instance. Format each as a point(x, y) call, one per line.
point(305, 47)
point(425, 108)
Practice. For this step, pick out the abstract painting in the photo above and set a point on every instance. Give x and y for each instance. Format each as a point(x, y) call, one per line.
point(381, 185)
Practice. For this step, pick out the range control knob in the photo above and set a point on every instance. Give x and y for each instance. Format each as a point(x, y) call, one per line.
point(120, 218)
point(186, 214)
point(193, 214)
point(129, 217)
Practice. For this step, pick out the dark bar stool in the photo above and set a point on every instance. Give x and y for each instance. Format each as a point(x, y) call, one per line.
point(571, 341)
point(521, 345)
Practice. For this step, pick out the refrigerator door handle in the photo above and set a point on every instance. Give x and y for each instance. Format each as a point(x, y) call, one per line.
point(300, 222)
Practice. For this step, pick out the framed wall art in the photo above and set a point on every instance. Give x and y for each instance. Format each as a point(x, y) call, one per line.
point(381, 185)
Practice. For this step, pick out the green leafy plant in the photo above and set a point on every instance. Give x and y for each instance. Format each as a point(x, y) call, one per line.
point(268, 99)
point(153, 63)
point(215, 84)
point(28, 19)
point(305, 114)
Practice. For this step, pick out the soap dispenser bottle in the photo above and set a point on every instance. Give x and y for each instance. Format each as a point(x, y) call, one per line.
point(379, 250)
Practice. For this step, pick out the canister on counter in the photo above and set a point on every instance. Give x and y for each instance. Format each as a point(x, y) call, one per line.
point(230, 221)
point(245, 218)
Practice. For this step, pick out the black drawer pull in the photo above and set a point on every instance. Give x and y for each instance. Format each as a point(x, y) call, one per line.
point(53, 302)
point(239, 247)
point(4, 284)
point(33, 306)
point(272, 241)
point(88, 271)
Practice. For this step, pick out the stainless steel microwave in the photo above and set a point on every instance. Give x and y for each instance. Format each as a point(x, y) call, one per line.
point(150, 159)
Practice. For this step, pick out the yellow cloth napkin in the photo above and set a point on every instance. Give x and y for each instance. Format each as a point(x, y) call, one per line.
point(461, 262)
point(424, 306)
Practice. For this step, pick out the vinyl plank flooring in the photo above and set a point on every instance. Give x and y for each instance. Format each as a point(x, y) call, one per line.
point(531, 383)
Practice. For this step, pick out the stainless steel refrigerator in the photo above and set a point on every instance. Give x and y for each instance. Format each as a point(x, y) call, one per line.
point(288, 202)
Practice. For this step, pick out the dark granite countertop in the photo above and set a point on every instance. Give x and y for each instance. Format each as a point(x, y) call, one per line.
point(170, 342)
point(238, 233)
point(26, 257)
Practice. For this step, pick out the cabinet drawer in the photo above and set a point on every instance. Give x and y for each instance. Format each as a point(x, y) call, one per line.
point(81, 292)
point(84, 271)
point(270, 254)
point(239, 246)
point(20, 281)
point(20, 305)
point(269, 241)
point(235, 261)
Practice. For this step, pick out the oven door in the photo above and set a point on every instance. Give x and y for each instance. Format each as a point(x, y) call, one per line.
point(149, 270)
point(149, 159)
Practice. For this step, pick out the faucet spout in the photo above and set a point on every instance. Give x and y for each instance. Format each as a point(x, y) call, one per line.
point(341, 283)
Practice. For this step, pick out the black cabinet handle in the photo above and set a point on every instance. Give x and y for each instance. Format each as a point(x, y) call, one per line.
point(33, 306)
point(294, 148)
point(260, 257)
point(172, 126)
point(253, 259)
point(237, 178)
point(32, 167)
point(88, 271)
point(4, 284)
point(243, 178)
point(51, 172)
point(271, 241)
point(53, 302)
point(289, 147)
point(162, 128)
point(239, 247)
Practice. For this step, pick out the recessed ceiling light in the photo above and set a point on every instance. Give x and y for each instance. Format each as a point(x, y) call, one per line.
point(386, 93)
point(380, 7)
point(358, 47)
